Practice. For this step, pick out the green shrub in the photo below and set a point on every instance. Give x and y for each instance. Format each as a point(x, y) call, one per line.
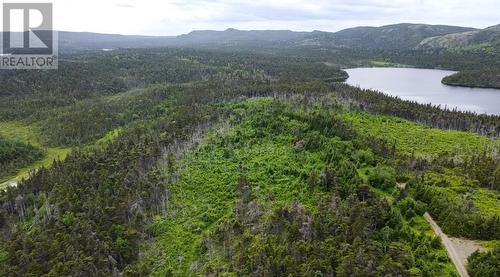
point(382, 177)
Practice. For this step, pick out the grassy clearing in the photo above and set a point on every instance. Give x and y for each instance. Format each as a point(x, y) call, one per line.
point(486, 202)
point(388, 64)
point(450, 178)
point(28, 133)
point(200, 202)
point(52, 155)
point(460, 187)
point(491, 244)
point(21, 131)
point(205, 198)
point(410, 137)
point(109, 137)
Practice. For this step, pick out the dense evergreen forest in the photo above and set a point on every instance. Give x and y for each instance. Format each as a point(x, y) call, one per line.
point(475, 78)
point(237, 163)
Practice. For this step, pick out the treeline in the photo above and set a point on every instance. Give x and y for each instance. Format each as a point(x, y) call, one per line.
point(430, 115)
point(444, 59)
point(478, 67)
point(16, 154)
point(486, 78)
point(342, 96)
point(483, 167)
point(452, 59)
point(278, 66)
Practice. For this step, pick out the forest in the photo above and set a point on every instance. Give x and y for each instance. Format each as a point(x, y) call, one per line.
point(184, 162)
point(475, 78)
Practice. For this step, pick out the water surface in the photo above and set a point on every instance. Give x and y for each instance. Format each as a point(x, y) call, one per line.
point(424, 86)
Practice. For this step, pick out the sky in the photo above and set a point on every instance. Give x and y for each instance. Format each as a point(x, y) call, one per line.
point(174, 17)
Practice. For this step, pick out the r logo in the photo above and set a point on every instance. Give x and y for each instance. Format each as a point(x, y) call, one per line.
point(27, 28)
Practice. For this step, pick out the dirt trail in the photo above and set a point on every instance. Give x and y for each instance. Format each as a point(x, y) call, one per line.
point(465, 248)
point(448, 244)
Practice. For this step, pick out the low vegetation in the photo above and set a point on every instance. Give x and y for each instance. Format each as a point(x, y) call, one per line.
point(411, 138)
point(486, 263)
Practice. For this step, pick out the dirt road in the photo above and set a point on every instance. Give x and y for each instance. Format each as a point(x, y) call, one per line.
point(452, 253)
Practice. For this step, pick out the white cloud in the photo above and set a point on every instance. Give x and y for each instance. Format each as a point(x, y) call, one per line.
point(172, 17)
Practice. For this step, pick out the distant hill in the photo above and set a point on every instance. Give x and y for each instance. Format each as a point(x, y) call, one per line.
point(75, 41)
point(489, 37)
point(234, 37)
point(86, 41)
point(71, 41)
point(390, 37)
point(403, 36)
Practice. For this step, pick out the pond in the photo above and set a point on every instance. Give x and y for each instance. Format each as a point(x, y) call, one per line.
point(424, 86)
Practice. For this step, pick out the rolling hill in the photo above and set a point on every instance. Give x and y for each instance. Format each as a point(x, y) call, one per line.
point(390, 37)
point(403, 36)
point(485, 38)
point(234, 37)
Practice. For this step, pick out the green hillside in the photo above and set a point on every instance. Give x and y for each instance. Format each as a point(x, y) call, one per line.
point(487, 39)
point(403, 36)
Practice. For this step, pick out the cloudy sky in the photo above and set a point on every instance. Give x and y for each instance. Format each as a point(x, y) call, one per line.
point(173, 17)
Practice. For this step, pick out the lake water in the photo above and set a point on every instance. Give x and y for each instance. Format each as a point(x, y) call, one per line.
point(424, 86)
